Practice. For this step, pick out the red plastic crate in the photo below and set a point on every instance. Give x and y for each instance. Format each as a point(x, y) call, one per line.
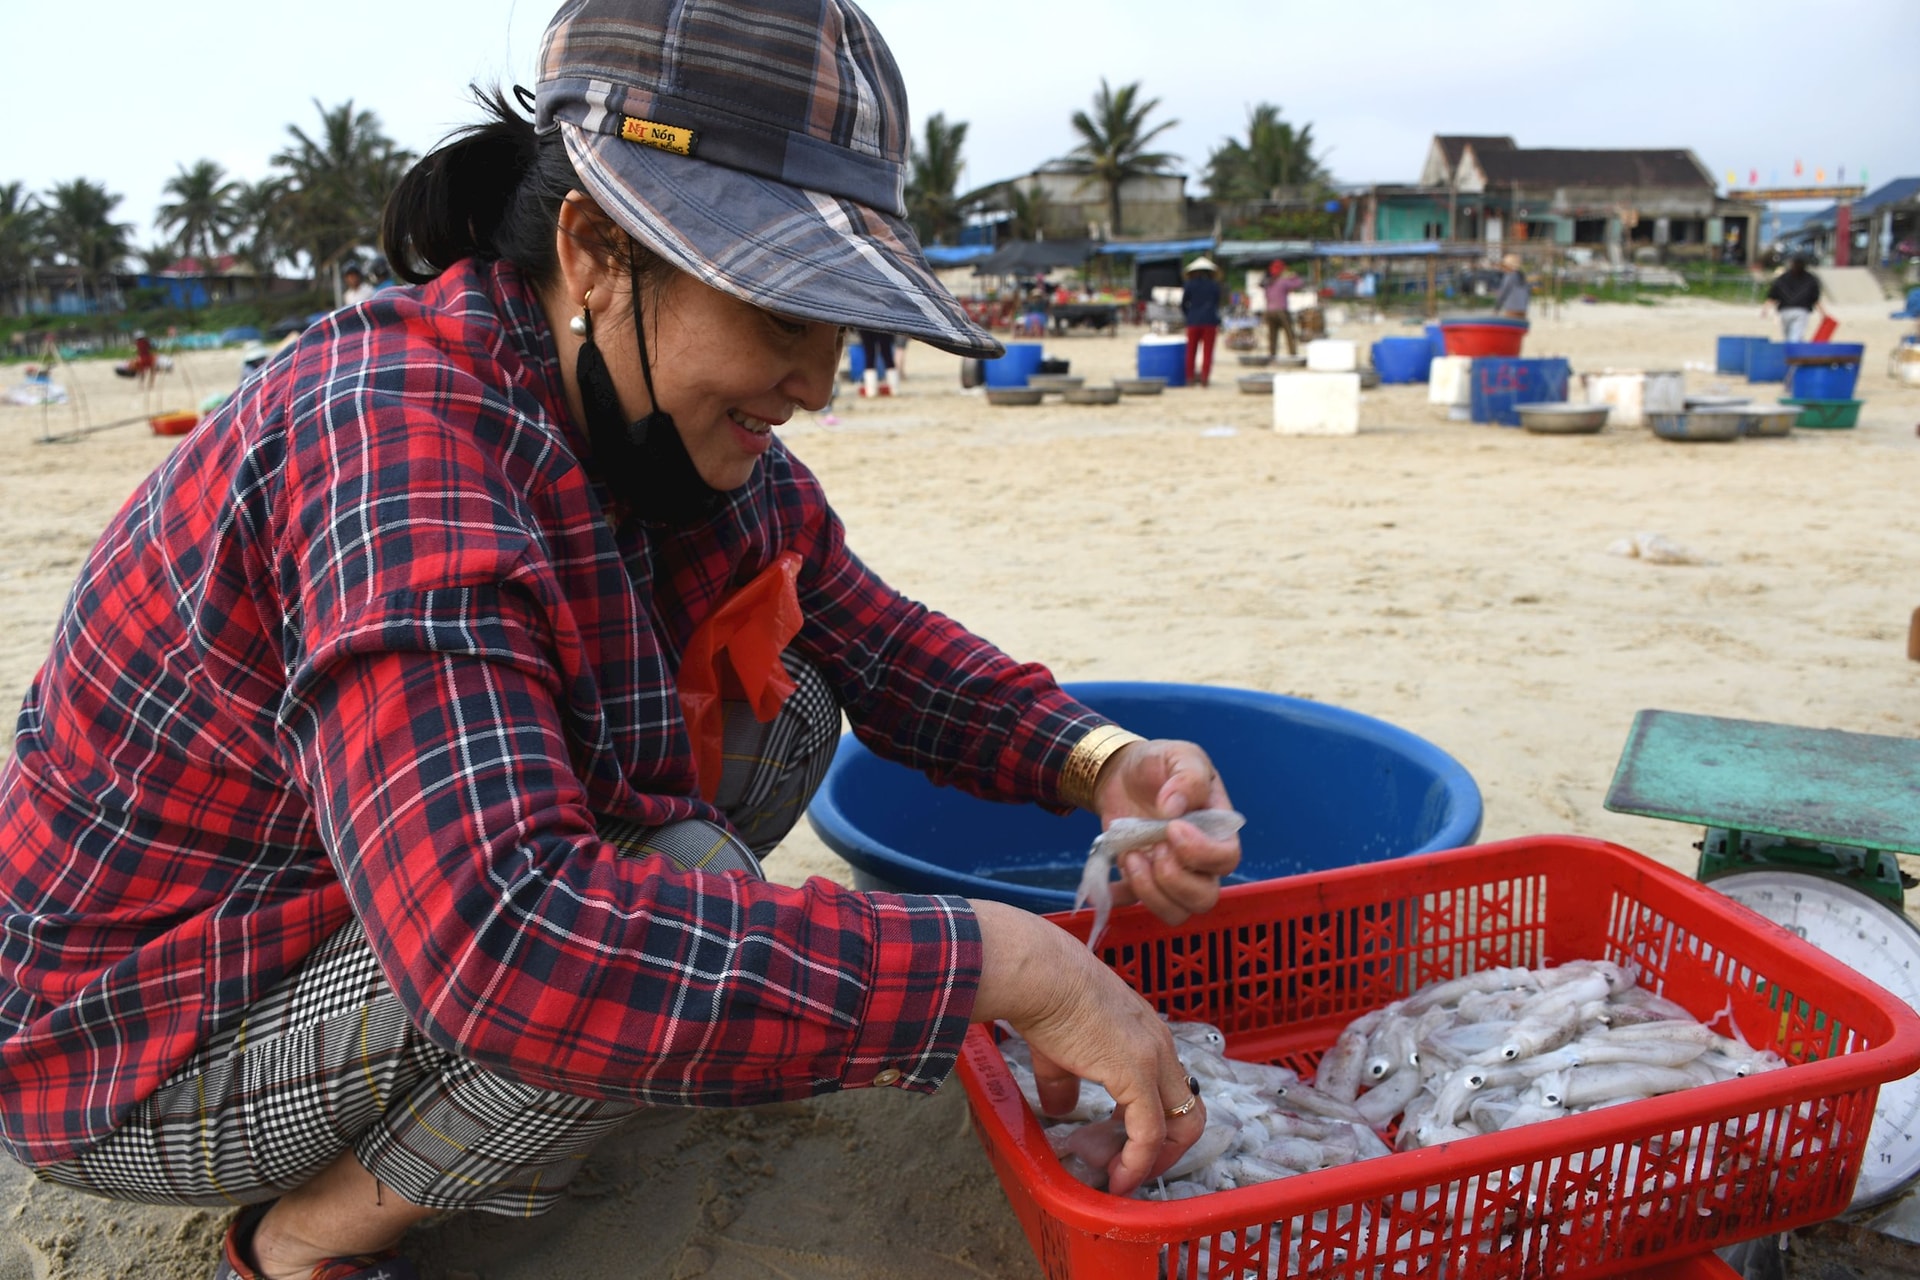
point(1282, 966)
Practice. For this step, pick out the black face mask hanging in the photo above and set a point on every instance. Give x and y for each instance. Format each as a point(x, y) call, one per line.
point(644, 463)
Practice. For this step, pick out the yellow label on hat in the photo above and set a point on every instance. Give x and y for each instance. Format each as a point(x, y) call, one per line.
point(667, 137)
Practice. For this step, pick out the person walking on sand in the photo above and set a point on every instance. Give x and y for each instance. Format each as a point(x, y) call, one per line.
point(1515, 292)
point(384, 828)
point(1795, 293)
point(1200, 305)
point(1278, 289)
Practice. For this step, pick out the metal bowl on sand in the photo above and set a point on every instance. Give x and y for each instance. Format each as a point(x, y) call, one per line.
point(1769, 420)
point(1561, 419)
point(1697, 427)
point(1091, 395)
point(1015, 395)
point(1055, 381)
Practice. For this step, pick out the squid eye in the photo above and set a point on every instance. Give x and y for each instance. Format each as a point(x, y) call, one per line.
point(1475, 1081)
point(1553, 1099)
point(1413, 1059)
point(1510, 1053)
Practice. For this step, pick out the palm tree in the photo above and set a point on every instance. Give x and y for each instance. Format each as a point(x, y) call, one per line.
point(1030, 210)
point(20, 243)
point(1114, 141)
point(1274, 156)
point(336, 184)
point(932, 207)
point(81, 230)
point(261, 232)
point(202, 218)
point(156, 258)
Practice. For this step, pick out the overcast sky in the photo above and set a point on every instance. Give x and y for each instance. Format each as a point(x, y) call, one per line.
point(127, 93)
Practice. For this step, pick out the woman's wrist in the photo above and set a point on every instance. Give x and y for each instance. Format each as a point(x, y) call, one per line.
point(1080, 775)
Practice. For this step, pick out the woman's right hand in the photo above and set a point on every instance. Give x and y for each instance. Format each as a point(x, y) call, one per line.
point(1082, 1021)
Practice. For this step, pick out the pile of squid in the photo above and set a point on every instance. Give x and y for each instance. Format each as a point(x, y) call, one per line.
point(1471, 1055)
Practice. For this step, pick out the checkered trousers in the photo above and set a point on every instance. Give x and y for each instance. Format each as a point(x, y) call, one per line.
point(328, 1061)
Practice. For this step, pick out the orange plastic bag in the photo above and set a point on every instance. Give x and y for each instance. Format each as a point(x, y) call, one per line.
point(736, 652)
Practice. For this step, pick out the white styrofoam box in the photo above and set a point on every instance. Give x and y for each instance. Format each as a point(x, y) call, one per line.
point(1450, 381)
point(1302, 300)
point(1332, 355)
point(1316, 404)
point(1666, 391)
point(1635, 393)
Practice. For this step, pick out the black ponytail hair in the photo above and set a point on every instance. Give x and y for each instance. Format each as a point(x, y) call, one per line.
point(490, 191)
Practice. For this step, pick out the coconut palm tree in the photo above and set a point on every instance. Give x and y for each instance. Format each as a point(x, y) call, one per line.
point(82, 233)
point(1274, 156)
point(20, 244)
point(932, 206)
point(201, 218)
point(261, 237)
point(1114, 139)
point(1029, 209)
point(336, 183)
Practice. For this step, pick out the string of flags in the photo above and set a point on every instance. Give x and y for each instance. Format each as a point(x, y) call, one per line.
point(1799, 171)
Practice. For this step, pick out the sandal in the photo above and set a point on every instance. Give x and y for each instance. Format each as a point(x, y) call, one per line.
point(236, 1256)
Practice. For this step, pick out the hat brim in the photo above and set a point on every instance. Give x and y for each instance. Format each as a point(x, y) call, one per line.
point(800, 253)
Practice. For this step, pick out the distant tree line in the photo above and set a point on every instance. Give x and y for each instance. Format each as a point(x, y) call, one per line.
point(323, 196)
point(320, 202)
point(1269, 182)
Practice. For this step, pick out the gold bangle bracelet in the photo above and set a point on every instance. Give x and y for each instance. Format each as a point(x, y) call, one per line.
point(1089, 755)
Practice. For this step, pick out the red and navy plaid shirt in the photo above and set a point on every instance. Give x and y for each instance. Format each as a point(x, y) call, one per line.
point(366, 646)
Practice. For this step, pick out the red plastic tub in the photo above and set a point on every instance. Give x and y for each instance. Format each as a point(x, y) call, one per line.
point(173, 424)
point(1281, 966)
point(1472, 338)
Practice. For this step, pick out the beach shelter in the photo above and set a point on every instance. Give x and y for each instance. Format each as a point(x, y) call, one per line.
point(1031, 257)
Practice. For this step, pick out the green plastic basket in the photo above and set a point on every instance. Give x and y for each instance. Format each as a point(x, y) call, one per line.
point(1829, 415)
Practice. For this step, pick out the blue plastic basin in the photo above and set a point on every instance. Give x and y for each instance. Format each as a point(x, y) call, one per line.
point(1013, 369)
point(1403, 359)
point(1730, 354)
point(1321, 787)
point(1822, 381)
point(1767, 362)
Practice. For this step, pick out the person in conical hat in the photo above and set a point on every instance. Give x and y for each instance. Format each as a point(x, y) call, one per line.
point(1200, 306)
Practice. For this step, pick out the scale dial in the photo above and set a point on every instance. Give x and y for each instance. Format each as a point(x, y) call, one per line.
point(1879, 943)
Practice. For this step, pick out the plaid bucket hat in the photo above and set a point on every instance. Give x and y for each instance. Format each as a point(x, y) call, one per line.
point(758, 145)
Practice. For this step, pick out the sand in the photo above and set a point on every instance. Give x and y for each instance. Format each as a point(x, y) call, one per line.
point(1451, 578)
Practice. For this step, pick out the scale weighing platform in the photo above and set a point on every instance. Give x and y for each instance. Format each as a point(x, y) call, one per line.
point(1804, 826)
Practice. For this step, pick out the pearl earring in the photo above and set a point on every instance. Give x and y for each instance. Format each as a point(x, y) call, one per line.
point(579, 326)
point(582, 324)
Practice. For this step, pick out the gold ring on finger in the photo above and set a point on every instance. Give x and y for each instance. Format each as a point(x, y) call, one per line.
point(1193, 1089)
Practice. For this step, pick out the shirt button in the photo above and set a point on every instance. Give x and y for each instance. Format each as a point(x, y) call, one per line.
point(887, 1077)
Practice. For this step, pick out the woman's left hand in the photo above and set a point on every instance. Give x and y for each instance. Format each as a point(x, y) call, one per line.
point(1165, 778)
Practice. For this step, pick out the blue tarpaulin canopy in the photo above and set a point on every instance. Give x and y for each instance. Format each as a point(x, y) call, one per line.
point(1267, 250)
point(955, 255)
point(1146, 249)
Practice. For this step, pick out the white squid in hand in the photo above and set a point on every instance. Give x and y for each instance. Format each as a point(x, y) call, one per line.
point(1122, 837)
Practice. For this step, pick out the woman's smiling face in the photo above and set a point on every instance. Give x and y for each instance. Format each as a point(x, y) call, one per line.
point(726, 371)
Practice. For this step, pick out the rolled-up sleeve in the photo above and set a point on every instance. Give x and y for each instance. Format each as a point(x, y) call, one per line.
point(427, 735)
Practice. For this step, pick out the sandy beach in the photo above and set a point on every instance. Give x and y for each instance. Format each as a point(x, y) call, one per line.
point(1448, 577)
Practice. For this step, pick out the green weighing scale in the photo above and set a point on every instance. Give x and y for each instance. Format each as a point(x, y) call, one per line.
point(1803, 826)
